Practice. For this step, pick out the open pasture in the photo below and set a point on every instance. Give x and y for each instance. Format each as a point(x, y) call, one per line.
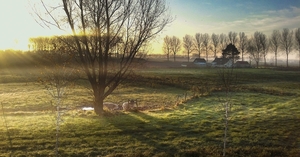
point(183, 115)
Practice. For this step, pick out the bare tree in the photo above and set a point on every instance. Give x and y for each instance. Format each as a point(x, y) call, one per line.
point(287, 43)
point(206, 44)
point(275, 40)
point(264, 45)
point(57, 79)
point(242, 43)
point(215, 43)
point(188, 45)
point(57, 83)
point(227, 79)
point(258, 46)
point(255, 47)
point(232, 36)
point(98, 26)
point(223, 40)
point(198, 43)
point(297, 39)
point(175, 46)
point(167, 49)
point(251, 49)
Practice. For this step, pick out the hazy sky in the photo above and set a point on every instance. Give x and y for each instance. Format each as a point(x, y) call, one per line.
point(191, 16)
point(222, 16)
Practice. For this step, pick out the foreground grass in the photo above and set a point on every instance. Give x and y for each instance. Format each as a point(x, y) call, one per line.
point(194, 127)
point(265, 119)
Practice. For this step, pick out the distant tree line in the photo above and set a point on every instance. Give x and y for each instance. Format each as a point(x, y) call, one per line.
point(64, 45)
point(49, 50)
point(257, 46)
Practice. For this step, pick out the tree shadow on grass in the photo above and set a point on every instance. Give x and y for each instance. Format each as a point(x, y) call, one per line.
point(148, 133)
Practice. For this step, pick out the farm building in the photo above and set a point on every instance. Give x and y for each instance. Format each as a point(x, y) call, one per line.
point(222, 62)
point(200, 62)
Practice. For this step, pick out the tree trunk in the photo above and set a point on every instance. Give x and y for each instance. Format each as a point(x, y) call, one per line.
point(174, 57)
point(168, 57)
point(98, 104)
point(206, 55)
point(275, 59)
point(287, 60)
point(242, 55)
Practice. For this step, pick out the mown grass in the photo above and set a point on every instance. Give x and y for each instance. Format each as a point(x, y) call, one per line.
point(264, 120)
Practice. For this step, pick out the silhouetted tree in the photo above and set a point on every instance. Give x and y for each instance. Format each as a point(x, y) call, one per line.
point(275, 40)
point(251, 50)
point(232, 36)
point(264, 46)
point(231, 52)
point(188, 45)
point(167, 47)
point(96, 25)
point(297, 39)
point(287, 43)
point(255, 47)
point(242, 43)
point(206, 44)
point(175, 46)
point(215, 43)
point(198, 43)
point(223, 39)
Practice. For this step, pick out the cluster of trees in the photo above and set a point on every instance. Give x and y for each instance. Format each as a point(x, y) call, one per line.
point(64, 44)
point(257, 46)
point(51, 44)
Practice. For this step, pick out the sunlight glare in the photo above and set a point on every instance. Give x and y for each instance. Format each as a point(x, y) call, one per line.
point(20, 25)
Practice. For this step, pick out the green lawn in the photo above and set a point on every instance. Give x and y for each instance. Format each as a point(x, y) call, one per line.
point(264, 121)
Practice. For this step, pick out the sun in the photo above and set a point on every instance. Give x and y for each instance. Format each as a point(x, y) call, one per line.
point(16, 28)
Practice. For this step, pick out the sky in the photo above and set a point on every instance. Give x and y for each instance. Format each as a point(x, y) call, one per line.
point(222, 16)
point(191, 17)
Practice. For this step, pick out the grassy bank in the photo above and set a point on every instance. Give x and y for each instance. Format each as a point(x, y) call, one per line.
point(264, 121)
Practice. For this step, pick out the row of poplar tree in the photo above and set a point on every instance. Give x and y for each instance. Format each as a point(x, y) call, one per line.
point(257, 46)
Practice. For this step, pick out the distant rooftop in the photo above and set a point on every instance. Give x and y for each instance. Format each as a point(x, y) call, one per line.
point(200, 60)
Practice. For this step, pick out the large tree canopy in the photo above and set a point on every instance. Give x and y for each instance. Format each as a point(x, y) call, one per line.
point(101, 27)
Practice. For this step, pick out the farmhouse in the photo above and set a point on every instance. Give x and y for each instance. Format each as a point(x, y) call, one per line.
point(200, 62)
point(222, 62)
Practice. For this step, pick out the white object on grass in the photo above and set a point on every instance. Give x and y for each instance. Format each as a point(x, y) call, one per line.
point(88, 108)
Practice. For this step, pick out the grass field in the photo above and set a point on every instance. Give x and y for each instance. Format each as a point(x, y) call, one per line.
point(178, 120)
